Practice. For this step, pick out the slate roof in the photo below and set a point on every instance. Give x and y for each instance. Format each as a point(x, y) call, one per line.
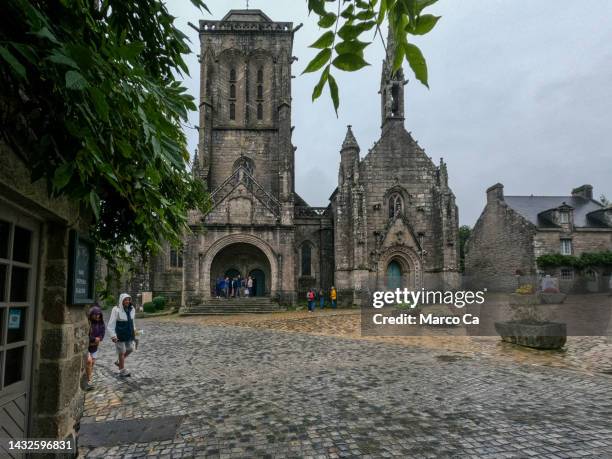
point(531, 206)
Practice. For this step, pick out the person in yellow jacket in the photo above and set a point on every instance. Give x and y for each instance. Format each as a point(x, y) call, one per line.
point(332, 296)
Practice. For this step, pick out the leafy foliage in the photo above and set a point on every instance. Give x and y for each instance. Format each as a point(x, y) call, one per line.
point(149, 307)
point(159, 302)
point(342, 48)
point(91, 101)
point(584, 261)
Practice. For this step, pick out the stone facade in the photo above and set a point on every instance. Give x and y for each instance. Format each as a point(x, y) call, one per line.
point(513, 231)
point(395, 217)
point(53, 360)
point(258, 223)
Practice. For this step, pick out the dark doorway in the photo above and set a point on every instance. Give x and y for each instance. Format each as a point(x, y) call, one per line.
point(259, 282)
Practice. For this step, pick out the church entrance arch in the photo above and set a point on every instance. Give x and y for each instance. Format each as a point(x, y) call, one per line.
point(240, 255)
point(399, 267)
point(393, 279)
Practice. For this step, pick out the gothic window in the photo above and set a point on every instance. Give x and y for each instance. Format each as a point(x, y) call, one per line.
point(176, 258)
point(232, 94)
point(306, 259)
point(259, 91)
point(395, 205)
point(260, 111)
point(246, 163)
point(260, 75)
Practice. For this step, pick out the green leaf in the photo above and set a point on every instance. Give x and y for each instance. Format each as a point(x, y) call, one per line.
point(318, 89)
point(328, 20)
point(422, 4)
point(74, 80)
point(59, 58)
point(424, 24)
point(324, 41)
point(349, 62)
point(13, 62)
point(351, 47)
point(348, 11)
point(46, 33)
point(94, 201)
point(417, 62)
point(319, 61)
point(318, 6)
point(62, 175)
point(398, 58)
point(100, 103)
point(349, 32)
point(333, 89)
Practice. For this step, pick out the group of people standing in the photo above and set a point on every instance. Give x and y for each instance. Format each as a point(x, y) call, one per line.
point(234, 287)
point(313, 297)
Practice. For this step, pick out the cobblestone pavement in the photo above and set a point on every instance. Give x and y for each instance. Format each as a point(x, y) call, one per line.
point(584, 353)
point(254, 392)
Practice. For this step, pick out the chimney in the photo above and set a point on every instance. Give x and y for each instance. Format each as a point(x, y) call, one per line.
point(495, 193)
point(584, 191)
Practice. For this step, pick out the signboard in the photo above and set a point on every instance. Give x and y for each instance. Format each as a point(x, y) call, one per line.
point(14, 321)
point(81, 270)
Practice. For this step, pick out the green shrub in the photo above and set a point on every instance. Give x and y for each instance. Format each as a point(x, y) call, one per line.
point(108, 302)
point(149, 307)
point(159, 302)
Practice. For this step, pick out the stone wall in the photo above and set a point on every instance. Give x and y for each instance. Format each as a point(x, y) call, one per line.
point(317, 232)
point(60, 334)
point(501, 244)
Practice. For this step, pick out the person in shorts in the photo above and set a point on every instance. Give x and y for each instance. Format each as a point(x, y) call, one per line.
point(122, 329)
point(96, 335)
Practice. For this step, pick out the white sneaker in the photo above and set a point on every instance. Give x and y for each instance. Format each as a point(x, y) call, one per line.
point(124, 373)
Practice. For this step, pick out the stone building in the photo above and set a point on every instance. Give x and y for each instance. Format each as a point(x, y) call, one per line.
point(43, 338)
point(392, 221)
point(395, 217)
point(513, 231)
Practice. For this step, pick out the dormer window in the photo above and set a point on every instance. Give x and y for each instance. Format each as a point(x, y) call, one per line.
point(564, 216)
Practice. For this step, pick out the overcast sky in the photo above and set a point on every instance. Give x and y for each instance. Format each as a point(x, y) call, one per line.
point(521, 93)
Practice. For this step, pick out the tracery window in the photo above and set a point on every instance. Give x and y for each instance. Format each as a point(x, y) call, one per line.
point(395, 205)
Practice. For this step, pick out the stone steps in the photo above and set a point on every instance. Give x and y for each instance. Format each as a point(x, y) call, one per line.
point(223, 306)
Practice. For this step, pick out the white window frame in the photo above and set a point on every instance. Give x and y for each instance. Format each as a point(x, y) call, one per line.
point(566, 247)
point(564, 216)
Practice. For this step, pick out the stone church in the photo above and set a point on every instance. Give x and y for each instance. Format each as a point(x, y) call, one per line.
point(391, 222)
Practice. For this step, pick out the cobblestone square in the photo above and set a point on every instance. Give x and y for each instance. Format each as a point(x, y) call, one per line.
point(256, 391)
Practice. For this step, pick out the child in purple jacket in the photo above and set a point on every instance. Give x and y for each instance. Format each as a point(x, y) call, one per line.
point(96, 335)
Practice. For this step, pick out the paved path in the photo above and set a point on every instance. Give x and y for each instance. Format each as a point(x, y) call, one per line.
point(252, 392)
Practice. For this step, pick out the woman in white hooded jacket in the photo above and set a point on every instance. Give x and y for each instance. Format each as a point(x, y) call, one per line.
point(122, 329)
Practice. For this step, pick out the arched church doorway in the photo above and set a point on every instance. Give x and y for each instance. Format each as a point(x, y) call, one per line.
point(240, 259)
point(259, 282)
point(393, 278)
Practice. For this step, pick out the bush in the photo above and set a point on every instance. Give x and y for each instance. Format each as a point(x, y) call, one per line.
point(159, 302)
point(149, 307)
point(108, 303)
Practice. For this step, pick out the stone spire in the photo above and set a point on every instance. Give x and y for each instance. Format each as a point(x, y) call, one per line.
point(349, 140)
point(391, 86)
